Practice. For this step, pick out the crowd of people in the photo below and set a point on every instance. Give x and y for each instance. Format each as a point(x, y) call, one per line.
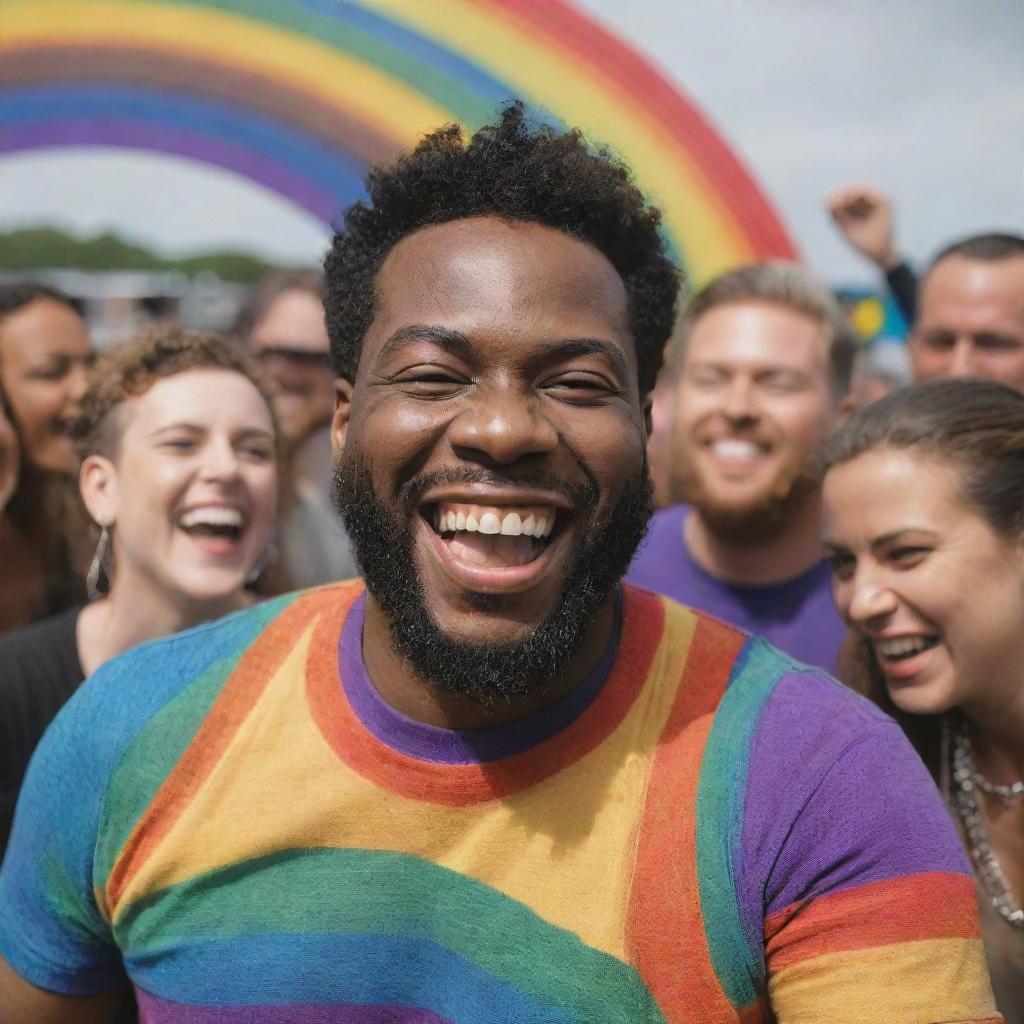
point(348, 673)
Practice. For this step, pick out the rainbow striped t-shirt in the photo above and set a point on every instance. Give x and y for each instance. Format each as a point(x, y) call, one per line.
point(702, 831)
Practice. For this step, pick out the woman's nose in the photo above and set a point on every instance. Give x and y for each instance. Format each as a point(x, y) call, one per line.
point(870, 598)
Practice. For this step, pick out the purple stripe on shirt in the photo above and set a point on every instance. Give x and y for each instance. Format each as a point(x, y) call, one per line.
point(836, 798)
point(154, 1010)
point(449, 746)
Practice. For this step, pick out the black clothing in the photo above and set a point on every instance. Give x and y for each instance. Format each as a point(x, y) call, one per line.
point(902, 282)
point(39, 671)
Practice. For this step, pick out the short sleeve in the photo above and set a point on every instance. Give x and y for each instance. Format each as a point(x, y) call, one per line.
point(51, 929)
point(871, 912)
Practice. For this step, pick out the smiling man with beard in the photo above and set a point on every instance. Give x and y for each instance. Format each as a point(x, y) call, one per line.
point(492, 784)
point(764, 367)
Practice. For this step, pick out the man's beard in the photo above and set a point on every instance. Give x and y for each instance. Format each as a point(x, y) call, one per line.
point(759, 518)
point(382, 541)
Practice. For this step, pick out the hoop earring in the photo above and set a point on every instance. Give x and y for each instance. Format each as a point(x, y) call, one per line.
point(92, 579)
point(268, 558)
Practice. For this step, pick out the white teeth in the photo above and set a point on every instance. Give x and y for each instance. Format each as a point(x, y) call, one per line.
point(901, 646)
point(512, 525)
point(490, 523)
point(732, 449)
point(211, 515)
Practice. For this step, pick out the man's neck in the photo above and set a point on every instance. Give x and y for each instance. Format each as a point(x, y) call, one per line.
point(761, 561)
point(405, 691)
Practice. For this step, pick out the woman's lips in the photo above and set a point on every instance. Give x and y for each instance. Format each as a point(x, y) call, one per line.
point(904, 668)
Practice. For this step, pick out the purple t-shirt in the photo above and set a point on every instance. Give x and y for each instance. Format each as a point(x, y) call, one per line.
point(797, 616)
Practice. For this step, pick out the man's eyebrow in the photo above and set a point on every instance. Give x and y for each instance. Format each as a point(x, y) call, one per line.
point(443, 337)
point(588, 346)
point(459, 344)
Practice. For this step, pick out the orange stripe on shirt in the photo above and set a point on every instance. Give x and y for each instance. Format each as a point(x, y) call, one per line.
point(666, 939)
point(876, 914)
point(462, 785)
point(239, 695)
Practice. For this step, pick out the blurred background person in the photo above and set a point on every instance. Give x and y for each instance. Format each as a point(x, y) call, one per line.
point(45, 354)
point(970, 313)
point(179, 472)
point(283, 324)
point(764, 366)
point(924, 506)
point(864, 218)
point(967, 313)
point(11, 594)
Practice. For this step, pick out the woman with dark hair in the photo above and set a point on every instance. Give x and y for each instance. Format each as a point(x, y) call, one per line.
point(178, 455)
point(44, 357)
point(924, 502)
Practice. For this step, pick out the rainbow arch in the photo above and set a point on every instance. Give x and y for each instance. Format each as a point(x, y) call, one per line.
point(301, 95)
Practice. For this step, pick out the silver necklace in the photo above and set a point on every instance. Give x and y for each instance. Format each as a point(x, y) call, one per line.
point(966, 780)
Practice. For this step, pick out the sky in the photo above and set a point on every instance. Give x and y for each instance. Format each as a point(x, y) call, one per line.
point(922, 98)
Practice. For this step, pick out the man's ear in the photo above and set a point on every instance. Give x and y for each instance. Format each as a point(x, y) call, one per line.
point(97, 480)
point(649, 415)
point(342, 409)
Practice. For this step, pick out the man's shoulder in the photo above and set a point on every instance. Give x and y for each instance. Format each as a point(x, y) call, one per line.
point(809, 696)
point(236, 630)
point(129, 690)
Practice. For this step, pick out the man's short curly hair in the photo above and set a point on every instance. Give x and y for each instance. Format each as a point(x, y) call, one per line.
point(518, 172)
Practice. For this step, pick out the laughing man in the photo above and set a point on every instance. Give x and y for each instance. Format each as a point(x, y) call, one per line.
point(495, 784)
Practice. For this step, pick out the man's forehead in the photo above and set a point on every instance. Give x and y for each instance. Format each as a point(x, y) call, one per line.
point(472, 251)
point(973, 279)
point(485, 272)
point(757, 332)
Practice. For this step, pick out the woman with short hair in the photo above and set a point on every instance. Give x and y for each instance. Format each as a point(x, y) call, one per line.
point(178, 452)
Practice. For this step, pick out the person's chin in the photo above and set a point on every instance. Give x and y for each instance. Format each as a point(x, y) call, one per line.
point(211, 589)
point(922, 693)
point(921, 699)
point(733, 504)
point(57, 459)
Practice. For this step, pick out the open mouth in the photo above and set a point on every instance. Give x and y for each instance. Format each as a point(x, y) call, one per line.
point(220, 527)
point(903, 648)
point(488, 548)
point(492, 536)
point(735, 455)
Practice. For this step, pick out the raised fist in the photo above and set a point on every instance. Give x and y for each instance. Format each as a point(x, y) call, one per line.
point(864, 217)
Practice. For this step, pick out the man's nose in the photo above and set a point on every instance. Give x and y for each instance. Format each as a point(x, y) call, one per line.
point(962, 362)
point(504, 426)
point(740, 403)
